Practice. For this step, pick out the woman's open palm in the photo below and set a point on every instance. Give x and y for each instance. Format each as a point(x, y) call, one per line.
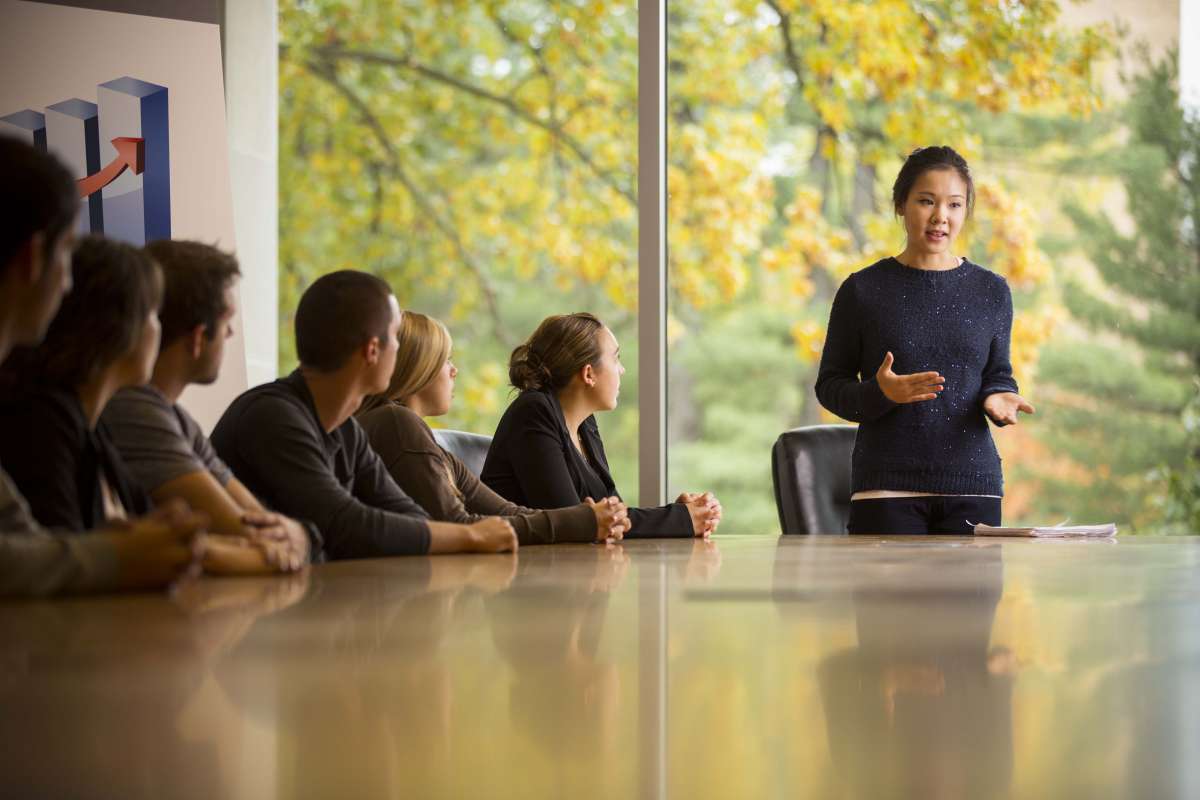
point(1002, 407)
point(915, 388)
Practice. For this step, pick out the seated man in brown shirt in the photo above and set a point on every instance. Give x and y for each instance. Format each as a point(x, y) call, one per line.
point(422, 385)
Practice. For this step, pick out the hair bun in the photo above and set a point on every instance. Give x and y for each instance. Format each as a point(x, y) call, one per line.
point(527, 370)
point(554, 353)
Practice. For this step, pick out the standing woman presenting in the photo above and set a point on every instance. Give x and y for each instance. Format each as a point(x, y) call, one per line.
point(917, 353)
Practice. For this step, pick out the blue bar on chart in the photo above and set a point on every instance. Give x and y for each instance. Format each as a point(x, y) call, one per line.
point(137, 208)
point(73, 134)
point(28, 126)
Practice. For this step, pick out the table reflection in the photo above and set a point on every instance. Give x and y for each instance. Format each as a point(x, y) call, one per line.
point(355, 679)
point(703, 564)
point(100, 695)
point(564, 695)
point(805, 667)
point(922, 706)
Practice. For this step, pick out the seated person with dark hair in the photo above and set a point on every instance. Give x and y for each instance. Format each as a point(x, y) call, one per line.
point(58, 450)
point(160, 443)
point(297, 446)
point(39, 203)
point(104, 338)
point(547, 450)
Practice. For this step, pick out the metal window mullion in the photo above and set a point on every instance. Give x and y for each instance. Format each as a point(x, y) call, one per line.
point(652, 253)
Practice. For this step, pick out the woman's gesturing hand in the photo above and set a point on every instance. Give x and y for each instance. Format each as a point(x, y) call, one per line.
point(1002, 407)
point(915, 388)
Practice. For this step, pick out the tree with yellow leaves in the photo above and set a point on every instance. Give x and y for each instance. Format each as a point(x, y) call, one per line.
point(833, 95)
point(481, 155)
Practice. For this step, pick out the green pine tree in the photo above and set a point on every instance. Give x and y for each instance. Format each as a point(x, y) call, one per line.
point(1123, 394)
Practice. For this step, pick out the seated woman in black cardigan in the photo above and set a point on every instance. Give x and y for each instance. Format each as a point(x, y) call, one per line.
point(547, 451)
point(52, 443)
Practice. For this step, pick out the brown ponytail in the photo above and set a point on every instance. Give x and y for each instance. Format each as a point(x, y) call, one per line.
point(560, 347)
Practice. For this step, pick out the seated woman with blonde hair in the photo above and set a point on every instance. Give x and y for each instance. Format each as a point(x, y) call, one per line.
point(422, 386)
point(547, 448)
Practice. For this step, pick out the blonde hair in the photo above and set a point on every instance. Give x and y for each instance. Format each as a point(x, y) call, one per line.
point(424, 346)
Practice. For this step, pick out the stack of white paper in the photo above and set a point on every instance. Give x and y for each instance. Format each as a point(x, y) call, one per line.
point(1105, 531)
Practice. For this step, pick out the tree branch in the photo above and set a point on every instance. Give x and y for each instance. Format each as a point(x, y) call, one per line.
point(817, 162)
point(554, 128)
point(789, 47)
point(326, 72)
point(542, 69)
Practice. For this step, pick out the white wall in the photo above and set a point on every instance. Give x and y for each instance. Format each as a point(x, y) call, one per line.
point(1189, 53)
point(250, 34)
point(50, 53)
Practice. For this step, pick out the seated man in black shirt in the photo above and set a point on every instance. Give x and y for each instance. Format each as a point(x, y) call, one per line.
point(296, 445)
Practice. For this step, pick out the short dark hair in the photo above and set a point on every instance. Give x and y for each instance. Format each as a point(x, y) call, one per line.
point(195, 277)
point(338, 314)
point(37, 194)
point(116, 286)
point(560, 347)
point(924, 159)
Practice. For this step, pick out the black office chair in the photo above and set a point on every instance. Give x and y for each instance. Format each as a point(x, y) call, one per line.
point(471, 448)
point(810, 468)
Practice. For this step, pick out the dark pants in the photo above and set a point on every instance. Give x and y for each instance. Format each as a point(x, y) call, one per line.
point(921, 515)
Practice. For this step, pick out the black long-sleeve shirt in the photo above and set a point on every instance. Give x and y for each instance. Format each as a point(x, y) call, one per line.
point(534, 463)
point(57, 460)
point(956, 322)
point(272, 439)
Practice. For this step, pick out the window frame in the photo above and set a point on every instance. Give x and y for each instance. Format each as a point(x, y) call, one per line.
point(652, 253)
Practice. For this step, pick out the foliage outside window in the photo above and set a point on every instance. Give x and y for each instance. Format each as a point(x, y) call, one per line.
point(481, 157)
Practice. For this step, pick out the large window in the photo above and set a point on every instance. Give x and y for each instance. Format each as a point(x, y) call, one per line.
point(483, 158)
point(480, 157)
point(788, 122)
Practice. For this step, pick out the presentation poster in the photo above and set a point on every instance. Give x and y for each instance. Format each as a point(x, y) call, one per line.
point(134, 105)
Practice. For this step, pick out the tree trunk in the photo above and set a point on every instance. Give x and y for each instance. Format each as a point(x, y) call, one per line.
point(862, 202)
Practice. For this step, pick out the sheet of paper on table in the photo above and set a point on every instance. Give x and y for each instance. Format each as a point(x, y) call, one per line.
point(1106, 531)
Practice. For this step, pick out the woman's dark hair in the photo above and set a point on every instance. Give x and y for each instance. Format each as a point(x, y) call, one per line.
point(558, 349)
point(922, 160)
point(195, 277)
point(338, 314)
point(37, 194)
point(116, 286)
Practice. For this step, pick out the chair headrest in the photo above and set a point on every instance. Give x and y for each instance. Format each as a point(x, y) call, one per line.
point(470, 448)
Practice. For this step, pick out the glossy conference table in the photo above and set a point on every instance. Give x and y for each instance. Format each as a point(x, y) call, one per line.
point(742, 667)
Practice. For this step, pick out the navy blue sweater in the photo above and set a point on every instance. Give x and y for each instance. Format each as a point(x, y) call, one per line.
point(956, 322)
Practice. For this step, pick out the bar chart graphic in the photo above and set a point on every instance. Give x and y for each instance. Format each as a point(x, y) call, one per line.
point(118, 150)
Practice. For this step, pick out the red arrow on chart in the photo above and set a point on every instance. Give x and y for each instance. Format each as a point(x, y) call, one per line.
point(131, 153)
